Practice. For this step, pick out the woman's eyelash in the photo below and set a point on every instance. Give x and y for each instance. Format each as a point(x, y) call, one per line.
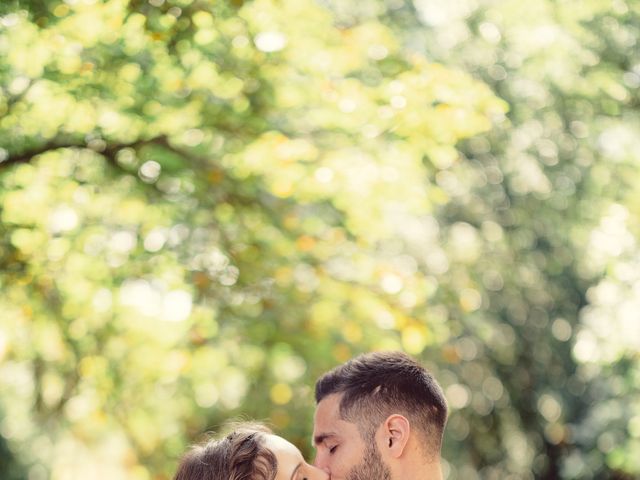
point(333, 449)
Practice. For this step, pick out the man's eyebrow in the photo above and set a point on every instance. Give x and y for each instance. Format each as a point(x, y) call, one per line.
point(321, 437)
point(293, 474)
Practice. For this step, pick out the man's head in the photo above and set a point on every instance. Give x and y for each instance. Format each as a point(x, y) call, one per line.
point(378, 416)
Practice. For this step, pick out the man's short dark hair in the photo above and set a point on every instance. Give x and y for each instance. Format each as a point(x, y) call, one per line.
point(376, 385)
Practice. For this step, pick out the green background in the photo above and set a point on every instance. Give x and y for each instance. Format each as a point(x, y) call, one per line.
point(205, 204)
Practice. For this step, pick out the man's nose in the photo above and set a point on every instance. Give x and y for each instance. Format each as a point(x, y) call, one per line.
point(326, 475)
point(320, 462)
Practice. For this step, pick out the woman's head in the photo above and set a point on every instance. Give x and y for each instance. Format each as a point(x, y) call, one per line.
point(250, 452)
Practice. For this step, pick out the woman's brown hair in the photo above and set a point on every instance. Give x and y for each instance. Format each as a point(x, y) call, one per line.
point(241, 455)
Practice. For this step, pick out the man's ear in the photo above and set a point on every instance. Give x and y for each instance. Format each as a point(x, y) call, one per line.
point(395, 434)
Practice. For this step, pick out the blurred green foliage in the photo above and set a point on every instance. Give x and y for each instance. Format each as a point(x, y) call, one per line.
point(204, 205)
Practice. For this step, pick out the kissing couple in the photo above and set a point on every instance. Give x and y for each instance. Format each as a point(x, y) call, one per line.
point(379, 416)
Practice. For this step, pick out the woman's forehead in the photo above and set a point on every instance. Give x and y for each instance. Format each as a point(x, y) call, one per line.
point(279, 445)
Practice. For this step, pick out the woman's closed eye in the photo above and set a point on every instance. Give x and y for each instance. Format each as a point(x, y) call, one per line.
point(333, 449)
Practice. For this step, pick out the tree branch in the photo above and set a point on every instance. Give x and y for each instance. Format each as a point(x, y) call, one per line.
point(109, 151)
point(28, 155)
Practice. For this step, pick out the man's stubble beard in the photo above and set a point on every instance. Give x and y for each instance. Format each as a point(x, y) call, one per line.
point(371, 468)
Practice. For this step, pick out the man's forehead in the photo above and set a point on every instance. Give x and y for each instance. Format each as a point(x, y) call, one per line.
point(327, 421)
point(328, 409)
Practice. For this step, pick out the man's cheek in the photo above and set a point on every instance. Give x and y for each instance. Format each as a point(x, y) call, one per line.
point(340, 464)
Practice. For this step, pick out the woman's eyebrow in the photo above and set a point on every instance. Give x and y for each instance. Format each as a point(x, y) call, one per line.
point(293, 474)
